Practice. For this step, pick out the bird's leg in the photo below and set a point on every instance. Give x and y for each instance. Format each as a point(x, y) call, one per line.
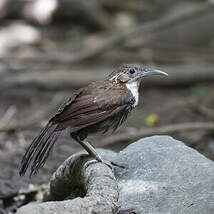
point(90, 149)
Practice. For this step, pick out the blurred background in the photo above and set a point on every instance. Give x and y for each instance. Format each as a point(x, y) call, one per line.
point(49, 48)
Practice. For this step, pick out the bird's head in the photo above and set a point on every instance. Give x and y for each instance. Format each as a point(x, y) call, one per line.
point(132, 73)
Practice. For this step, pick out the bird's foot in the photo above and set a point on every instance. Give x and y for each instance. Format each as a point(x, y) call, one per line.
point(97, 160)
point(109, 163)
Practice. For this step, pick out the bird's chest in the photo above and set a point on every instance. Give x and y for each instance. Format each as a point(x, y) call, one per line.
point(134, 89)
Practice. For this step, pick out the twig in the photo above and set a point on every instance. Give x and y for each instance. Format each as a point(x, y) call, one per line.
point(36, 118)
point(137, 134)
point(7, 116)
point(202, 109)
point(178, 75)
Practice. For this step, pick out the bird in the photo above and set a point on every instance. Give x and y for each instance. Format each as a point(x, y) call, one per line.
point(99, 107)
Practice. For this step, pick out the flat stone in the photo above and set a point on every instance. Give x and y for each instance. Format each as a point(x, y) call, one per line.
point(163, 175)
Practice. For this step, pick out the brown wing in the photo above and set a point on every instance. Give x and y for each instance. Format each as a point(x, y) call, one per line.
point(97, 102)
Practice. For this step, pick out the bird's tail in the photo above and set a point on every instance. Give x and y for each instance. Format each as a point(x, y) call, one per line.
point(38, 151)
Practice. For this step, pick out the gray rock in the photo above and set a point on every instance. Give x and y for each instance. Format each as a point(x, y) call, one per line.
point(1, 207)
point(163, 175)
point(93, 189)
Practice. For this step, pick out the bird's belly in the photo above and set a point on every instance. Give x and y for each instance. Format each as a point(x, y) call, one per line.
point(109, 124)
point(102, 126)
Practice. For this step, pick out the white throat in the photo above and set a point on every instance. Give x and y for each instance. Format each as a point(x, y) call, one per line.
point(134, 88)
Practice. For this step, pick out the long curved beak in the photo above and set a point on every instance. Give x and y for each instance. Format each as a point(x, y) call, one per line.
point(148, 72)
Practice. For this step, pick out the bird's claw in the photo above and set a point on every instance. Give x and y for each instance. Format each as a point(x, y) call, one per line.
point(88, 163)
point(117, 165)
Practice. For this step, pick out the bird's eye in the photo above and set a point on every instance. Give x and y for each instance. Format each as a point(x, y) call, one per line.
point(132, 71)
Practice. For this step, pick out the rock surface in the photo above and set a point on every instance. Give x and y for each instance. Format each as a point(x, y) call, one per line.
point(161, 175)
point(93, 189)
point(165, 176)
